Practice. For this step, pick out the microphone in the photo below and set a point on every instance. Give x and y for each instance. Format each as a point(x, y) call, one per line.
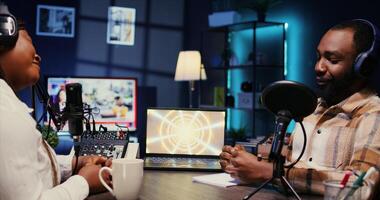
point(74, 111)
point(287, 100)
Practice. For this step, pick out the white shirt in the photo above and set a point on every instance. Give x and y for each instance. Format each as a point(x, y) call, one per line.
point(25, 168)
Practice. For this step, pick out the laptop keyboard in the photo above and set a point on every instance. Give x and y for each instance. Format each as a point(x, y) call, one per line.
point(187, 163)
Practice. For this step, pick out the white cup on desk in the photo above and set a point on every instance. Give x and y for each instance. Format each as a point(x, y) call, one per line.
point(127, 178)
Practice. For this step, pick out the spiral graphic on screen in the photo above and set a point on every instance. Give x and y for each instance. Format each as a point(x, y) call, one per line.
point(181, 132)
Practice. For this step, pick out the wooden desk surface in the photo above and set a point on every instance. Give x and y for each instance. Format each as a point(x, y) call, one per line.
point(171, 185)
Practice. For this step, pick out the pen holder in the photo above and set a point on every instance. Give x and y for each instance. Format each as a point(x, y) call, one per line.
point(334, 191)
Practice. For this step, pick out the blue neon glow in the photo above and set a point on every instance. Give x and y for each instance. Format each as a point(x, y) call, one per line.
point(241, 45)
point(286, 52)
point(228, 124)
point(294, 53)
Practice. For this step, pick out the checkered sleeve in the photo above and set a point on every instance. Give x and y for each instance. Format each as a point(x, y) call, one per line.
point(366, 153)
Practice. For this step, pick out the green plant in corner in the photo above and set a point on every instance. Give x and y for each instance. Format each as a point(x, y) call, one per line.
point(49, 134)
point(238, 134)
point(260, 6)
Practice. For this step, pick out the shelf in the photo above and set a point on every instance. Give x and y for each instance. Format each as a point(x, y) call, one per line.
point(259, 70)
point(243, 26)
point(212, 107)
point(245, 66)
point(247, 109)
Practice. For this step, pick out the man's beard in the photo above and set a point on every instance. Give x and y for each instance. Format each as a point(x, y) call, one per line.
point(337, 89)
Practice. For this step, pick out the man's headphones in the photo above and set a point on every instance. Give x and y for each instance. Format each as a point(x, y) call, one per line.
point(366, 61)
point(8, 28)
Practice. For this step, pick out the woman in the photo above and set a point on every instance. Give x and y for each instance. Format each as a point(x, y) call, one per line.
point(29, 167)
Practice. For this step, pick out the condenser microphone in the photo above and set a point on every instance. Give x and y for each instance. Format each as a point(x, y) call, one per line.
point(74, 110)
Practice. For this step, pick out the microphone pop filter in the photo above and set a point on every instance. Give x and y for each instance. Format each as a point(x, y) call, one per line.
point(292, 96)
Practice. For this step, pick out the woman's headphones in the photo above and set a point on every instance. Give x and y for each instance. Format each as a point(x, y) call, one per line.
point(366, 61)
point(8, 28)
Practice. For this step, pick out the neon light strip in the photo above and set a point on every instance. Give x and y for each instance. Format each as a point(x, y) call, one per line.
point(286, 51)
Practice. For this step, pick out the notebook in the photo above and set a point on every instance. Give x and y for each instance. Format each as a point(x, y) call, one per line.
point(184, 139)
point(220, 179)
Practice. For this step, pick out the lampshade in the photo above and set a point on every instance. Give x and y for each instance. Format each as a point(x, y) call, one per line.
point(188, 66)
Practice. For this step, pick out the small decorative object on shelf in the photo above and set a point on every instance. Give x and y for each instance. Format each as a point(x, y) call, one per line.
point(258, 104)
point(222, 18)
point(246, 86)
point(260, 6)
point(245, 100)
point(219, 96)
point(230, 101)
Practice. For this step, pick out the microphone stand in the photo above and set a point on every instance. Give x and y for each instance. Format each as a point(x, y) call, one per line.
point(282, 121)
point(59, 118)
point(43, 97)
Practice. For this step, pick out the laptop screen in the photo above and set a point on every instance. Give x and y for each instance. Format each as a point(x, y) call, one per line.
point(185, 132)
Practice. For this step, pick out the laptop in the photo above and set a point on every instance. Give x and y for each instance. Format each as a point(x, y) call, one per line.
point(184, 139)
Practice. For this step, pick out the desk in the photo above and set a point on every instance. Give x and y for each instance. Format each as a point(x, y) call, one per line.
point(172, 185)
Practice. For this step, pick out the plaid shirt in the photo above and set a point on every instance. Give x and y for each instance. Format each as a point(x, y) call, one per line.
point(345, 136)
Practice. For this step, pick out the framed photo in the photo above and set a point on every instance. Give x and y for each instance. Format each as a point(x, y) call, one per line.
point(55, 21)
point(121, 25)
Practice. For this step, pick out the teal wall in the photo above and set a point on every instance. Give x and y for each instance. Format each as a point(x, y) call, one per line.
point(298, 61)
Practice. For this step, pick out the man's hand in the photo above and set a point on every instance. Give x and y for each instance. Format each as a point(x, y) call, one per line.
point(245, 166)
point(226, 155)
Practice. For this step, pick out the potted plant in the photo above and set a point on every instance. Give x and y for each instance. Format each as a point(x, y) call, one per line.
point(260, 6)
point(49, 134)
point(237, 134)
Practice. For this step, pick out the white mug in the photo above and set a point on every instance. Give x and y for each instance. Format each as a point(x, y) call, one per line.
point(127, 178)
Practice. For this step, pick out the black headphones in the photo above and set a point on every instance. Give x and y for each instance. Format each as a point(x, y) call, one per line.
point(366, 61)
point(8, 27)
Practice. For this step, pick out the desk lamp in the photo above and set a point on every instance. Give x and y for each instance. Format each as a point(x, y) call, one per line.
point(189, 68)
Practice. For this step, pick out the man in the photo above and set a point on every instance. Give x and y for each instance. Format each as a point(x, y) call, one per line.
point(29, 167)
point(343, 133)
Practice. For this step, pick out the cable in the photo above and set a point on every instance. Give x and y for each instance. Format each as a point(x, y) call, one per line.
point(93, 123)
point(121, 131)
point(42, 117)
point(90, 114)
point(303, 149)
point(48, 131)
point(76, 150)
point(121, 126)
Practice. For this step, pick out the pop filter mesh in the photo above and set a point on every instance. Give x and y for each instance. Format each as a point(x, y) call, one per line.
point(295, 97)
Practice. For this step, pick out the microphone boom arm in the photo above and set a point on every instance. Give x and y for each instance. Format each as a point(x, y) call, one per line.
point(43, 96)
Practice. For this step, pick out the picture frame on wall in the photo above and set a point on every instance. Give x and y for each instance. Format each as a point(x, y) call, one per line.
point(57, 21)
point(121, 25)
